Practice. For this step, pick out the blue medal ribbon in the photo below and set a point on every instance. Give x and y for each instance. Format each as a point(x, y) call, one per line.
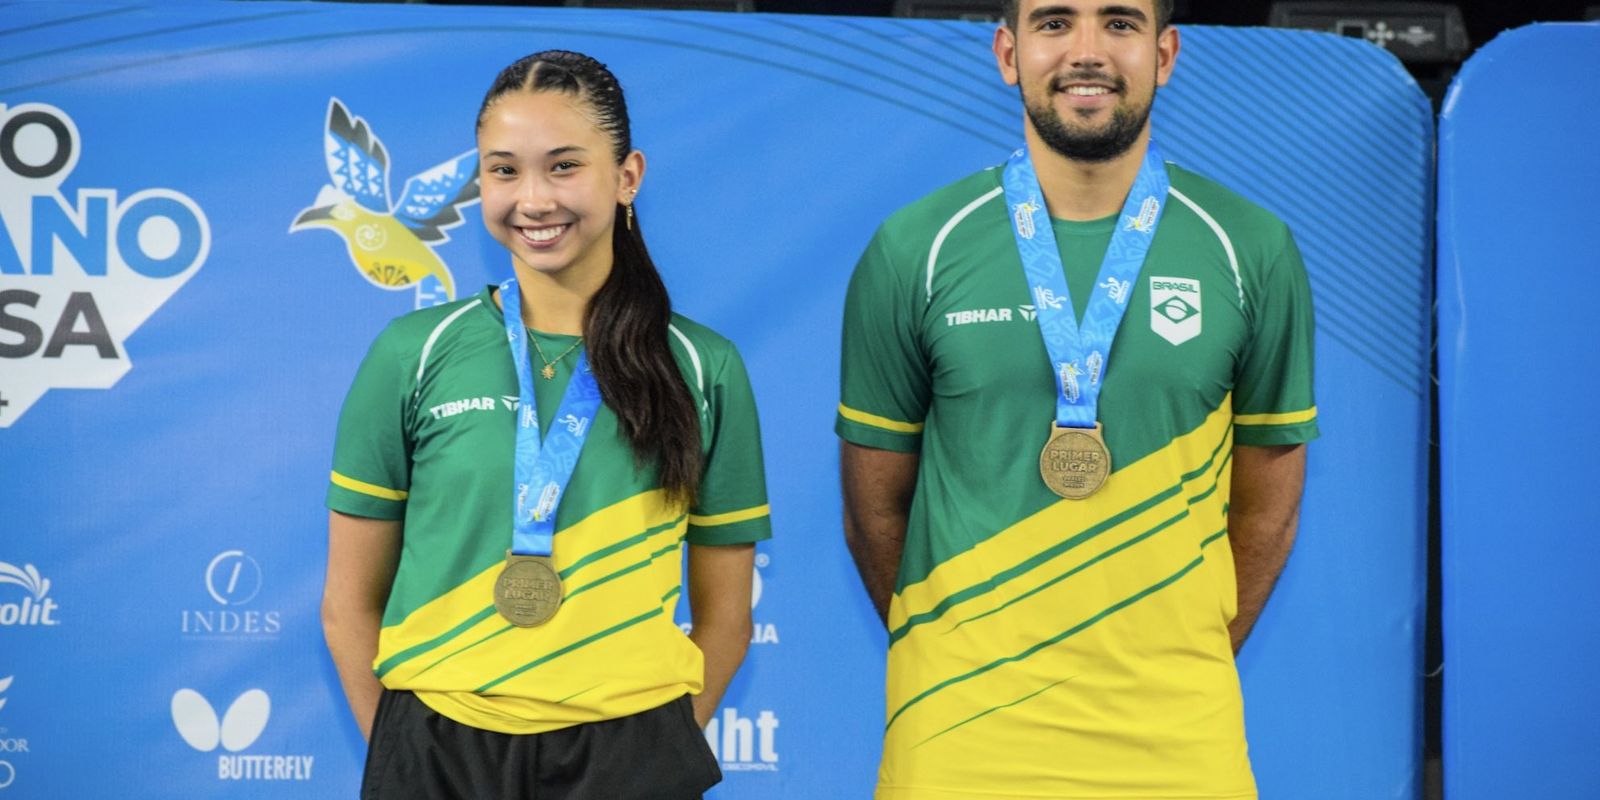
point(543, 469)
point(1080, 354)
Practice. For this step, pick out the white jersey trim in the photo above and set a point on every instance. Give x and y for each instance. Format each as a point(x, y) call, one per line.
point(694, 358)
point(427, 347)
point(938, 241)
point(1227, 244)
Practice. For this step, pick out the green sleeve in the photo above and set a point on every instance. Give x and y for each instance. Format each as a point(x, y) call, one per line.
point(371, 464)
point(884, 379)
point(731, 507)
point(1273, 402)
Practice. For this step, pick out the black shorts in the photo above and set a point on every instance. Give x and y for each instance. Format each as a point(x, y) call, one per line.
point(415, 752)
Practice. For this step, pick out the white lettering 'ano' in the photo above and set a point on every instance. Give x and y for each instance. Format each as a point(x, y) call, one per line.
point(79, 273)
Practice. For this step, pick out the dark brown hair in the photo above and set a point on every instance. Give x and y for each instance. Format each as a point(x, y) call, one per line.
point(1011, 8)
point(625, 326)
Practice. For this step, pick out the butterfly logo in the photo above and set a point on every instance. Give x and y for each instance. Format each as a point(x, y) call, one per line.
point(239, 728)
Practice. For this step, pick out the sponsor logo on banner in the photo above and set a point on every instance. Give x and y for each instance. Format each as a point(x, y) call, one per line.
point(238, 729)
point(232, 580)
point(762, 632)
point(35, 608)
point(10, 746)
point(1175, 308)
point(390, 242)
point(744, 744)
point(80, 273)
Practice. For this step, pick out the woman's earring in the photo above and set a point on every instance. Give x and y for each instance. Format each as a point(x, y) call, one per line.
point(630, 216)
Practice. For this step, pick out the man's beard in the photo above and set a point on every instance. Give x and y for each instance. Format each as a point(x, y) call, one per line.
point(1090, 146)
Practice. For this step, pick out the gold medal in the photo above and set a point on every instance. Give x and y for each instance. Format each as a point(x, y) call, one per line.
point(528, 591)
point(1075, 461)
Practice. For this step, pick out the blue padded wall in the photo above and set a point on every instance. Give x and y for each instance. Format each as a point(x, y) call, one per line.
point(161, 483)
point(1518, 237)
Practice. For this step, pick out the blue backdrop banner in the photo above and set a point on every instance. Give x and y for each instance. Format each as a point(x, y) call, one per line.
point(1517, 243)
point(174, 350)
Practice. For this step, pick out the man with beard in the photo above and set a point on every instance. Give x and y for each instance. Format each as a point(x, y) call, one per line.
point(1076, 393)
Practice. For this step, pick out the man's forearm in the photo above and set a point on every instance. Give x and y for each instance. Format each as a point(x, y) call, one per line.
point(876, 545)
point(878, 486)
point(1258, 558)
point(1264, 511)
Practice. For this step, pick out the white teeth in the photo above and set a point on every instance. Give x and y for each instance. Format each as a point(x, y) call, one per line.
point(544, 234)
point(1087, 91)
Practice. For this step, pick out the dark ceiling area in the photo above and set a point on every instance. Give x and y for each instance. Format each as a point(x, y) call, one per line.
point(1484, 18)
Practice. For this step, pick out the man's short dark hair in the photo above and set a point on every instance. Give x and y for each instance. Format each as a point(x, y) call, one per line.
point(1163, 12)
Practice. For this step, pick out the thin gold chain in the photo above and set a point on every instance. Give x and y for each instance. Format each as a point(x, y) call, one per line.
point(549, 371)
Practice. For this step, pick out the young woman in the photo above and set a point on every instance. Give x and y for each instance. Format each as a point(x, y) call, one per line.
point(514, 477)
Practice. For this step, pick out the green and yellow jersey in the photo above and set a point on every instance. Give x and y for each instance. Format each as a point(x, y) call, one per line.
point(1042, 647)
point(427, 436)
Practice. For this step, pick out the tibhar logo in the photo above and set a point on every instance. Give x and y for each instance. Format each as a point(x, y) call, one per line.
point(743, 744)
point(389, 242)
point(1029, 312)
point(35, 609)
point(79, 274)
point(239, 728)
point(233, 579)
point(1175, 308)
point(954, 318)
point(454, 407)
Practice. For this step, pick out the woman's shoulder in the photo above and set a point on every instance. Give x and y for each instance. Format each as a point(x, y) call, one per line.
point(704, 347)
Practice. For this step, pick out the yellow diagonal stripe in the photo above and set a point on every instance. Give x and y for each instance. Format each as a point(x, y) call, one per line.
point(878, 422)
point(1290, 418)
point(1125, 489)
point(595, 532)
point(730, 517)
point(365, 488)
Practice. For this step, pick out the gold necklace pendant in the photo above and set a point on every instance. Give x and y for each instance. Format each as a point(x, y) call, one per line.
point(549, 370)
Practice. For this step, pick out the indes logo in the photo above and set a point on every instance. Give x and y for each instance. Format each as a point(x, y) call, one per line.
point(35, 609)
point(1175, 308)
point(390, 243)
point(78, 274)
point(232, 579)
point(238, 729)
point(742, 744)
